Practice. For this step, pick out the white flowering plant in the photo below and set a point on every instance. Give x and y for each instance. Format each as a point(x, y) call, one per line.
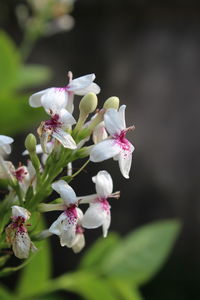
point(116, 268)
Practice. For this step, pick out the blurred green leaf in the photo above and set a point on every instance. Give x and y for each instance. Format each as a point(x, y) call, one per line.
point(97, 252)
point(33, 75)
point(38, 271)
point(5, 294)
point(3, 259)
point(142, 253)
point(9, 270)
point(9, 63)
point(88, 285)
point(125, 290)
point(16, 114)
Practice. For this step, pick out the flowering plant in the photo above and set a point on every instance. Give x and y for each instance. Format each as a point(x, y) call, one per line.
point(64, 140)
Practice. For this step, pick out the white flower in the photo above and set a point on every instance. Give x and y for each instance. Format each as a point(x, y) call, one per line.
point(5, 148)
point(117, 146)
point(98, 213)
point(17, 235)
point(55, 127)
point(26, 176)
point(63, 97)
point(20, 212)
point(65, 225)
point(5, 142)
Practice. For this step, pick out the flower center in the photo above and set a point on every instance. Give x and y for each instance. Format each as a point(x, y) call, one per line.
point(20, 173)
point(104, 204)
point(61, 89)
point(53, 123)
point(79, 229)
point(122, 141)
point(17, 222)
point(71, 213)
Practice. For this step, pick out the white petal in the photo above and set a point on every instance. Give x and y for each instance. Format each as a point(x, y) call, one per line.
point(6, 169)
point(113, 122)
point(44, 158)
point(35, 99)
point(5, 149)
point(81, 82)
point(18, 211)
point(80, 214)
point(104, 150)
point(64, 138)
point(92, 88)
point(79, 243)
point(31, 170)
point(38, 150)
point(122, 115)
point(54, 100)
point(64, 228)
point(125, 160)
point(21, 245)
point(4, 140)
point(68, 236)
point(70, 103)
point(66, 118)
point(56, 227)
point(94, 216)
point(66, 191)
point(104, 184)
point(99, 133)
point(106, 224)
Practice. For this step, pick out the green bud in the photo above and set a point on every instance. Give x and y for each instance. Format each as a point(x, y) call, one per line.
point(88, 104)
point(30, 142)
point(112, 102)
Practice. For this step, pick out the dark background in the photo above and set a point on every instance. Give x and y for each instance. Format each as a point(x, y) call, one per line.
point(148, 54)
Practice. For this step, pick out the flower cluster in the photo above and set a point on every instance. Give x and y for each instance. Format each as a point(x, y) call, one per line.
point(62, 141)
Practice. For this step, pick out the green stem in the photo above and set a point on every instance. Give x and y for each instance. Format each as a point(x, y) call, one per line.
point(83, 167)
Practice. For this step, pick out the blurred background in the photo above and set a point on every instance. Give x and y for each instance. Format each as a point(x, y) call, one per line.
point(148, 54)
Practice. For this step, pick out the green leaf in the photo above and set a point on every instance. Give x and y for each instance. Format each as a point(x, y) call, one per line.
point(9, 62)
point(5, 294)
point(3, 259)
point(38, 271)
point(125, 290)
point(142, 253)
point(16, 114)
point(97, 252)
point(33, 75)
point(89, 286)
point(85, 284)
point(9, 270)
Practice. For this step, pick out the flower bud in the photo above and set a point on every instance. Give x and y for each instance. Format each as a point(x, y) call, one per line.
point(30, 143)
point(88, 104)
point(112, 102)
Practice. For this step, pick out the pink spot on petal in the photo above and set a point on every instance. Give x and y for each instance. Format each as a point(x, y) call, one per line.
point(20, 173)
point(72, 215)
point(121, 140)
point(104, 204)
point(61, 89)
point(79, 229)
